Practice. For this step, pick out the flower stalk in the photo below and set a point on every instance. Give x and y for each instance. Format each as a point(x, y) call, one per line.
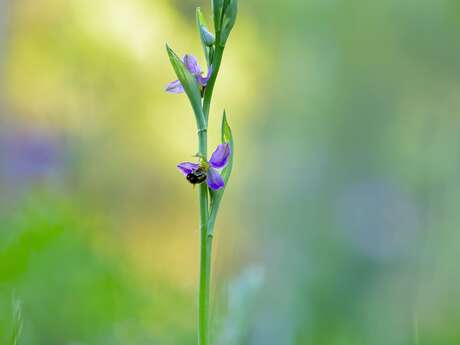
point(217, 59)
point(217, 170)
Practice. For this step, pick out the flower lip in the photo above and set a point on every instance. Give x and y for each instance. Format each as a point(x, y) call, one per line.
point(197, 176)
point(204, 80)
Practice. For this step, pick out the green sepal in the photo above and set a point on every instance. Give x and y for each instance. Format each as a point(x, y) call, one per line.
point(190, 85)
point(216, 196)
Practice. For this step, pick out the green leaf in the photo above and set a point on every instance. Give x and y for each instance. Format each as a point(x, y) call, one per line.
point(17, 321)
point(190, 85)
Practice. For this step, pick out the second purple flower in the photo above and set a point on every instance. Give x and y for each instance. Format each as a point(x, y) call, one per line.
point(192, 65)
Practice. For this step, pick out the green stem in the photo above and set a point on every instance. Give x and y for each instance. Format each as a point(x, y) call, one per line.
point(205, 255)
point(205, 280)
point(206, 241)
point(216, 60)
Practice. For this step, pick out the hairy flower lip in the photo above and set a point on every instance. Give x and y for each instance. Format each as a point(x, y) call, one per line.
point(219, 159)
point(194, 68)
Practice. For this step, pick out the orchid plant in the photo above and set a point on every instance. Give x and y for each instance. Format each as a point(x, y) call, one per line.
point(215, 171)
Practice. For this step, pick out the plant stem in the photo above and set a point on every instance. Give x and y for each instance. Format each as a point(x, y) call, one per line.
point(205, 280)
point(217, 58)
point(205, 255)
point(206, 241)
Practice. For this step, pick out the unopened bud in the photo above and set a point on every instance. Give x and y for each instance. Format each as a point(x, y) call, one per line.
point(207, 37)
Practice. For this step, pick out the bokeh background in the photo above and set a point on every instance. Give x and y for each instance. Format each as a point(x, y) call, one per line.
point(340, 225)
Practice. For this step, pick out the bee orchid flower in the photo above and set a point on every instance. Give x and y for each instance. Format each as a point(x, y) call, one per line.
point(208, 170)
point(194, 68)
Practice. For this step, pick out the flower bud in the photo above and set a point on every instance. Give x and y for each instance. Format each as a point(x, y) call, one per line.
point(207, 37)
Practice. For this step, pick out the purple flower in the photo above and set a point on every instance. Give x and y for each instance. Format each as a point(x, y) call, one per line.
point(192, 65)
point(207, 170)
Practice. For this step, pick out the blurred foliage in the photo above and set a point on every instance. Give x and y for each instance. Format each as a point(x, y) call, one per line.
point(340, 226)
point(71, 292)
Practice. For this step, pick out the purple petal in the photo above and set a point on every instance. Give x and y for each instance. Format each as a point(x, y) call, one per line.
point(187, 167)
point(220, 156)
point(204, 80)
point(175, 87)
point(192, 64)
point(214, 179)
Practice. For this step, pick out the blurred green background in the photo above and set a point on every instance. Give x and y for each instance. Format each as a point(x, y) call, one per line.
point(340, 226)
